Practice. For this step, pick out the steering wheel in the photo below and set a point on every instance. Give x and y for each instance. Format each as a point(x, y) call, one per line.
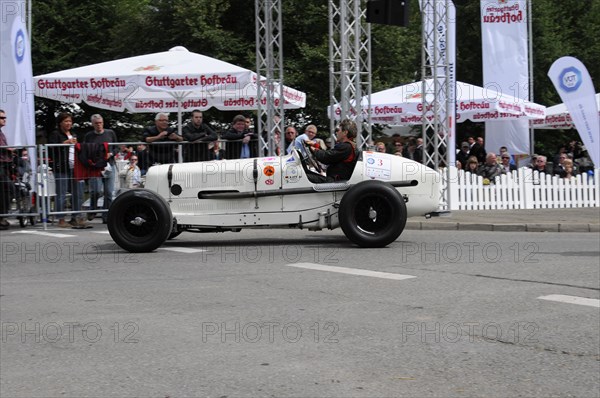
point(310, 159)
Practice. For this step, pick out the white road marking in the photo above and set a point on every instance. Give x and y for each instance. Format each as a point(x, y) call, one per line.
point(101, 232)
point(351, 271)
point(52, 234)
point(572, 300)
point(182, 249)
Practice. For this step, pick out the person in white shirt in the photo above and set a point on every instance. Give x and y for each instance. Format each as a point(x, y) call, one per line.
point(310, 133)
point(131, 174)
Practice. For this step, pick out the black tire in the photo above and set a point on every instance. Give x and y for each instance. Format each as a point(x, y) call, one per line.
point(139, 220)
point(372, 214)
point(174, 234)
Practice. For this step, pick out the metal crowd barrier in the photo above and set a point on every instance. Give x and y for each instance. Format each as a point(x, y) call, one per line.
point(17, 184)
point(62, 193)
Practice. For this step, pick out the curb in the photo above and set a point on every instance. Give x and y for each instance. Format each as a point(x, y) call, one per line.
point(526, 227)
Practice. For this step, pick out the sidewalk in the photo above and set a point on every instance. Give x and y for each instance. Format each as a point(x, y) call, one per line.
point(585, 219)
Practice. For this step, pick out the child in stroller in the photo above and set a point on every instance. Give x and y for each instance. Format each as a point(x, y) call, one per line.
point(21, 198)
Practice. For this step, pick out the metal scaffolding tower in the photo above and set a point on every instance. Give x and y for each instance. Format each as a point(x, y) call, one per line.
point(438, 92)
point(350, 64)
point(435, 76)
point(269, 63)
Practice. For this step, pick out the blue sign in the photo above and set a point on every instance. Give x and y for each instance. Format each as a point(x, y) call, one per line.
point(20, 46)
point(570, 79)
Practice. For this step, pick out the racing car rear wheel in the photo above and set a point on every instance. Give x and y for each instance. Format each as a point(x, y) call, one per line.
point(139, 220)
point(372, 214)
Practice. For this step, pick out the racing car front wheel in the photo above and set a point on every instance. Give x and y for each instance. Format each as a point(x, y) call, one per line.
point(139, 220)
point(372, 214)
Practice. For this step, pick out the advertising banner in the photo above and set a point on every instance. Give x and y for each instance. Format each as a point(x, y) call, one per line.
point(506, 68)
point(574, 85)
point(16, 88)
point(169, 81)
point(403, 105)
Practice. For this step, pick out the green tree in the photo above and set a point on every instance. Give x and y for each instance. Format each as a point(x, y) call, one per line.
point(68, 34)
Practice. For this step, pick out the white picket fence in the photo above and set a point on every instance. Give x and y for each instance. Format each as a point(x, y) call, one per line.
point(522, 189)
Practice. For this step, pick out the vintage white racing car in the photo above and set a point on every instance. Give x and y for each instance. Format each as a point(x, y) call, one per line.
point(274, 192)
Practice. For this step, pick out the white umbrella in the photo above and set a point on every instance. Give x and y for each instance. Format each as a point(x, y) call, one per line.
point(174, 80)
point(558, 117)
point(402, 105)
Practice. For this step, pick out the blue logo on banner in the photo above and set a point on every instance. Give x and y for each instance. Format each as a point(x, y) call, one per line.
point(570, 79)
point(20, 46)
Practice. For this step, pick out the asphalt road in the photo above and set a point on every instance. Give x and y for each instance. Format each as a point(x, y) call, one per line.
point(300, 314)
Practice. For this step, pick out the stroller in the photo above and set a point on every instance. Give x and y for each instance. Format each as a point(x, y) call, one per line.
point(24, 203)
point(22, 197)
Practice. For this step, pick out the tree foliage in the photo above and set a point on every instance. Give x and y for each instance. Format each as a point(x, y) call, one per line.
point(70, 33)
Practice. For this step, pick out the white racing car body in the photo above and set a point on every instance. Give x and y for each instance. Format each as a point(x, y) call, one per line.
point(273, 192)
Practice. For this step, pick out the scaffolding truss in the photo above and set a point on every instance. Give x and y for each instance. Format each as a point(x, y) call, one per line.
point(437, 91)
point(350, 64)
point(269, 63)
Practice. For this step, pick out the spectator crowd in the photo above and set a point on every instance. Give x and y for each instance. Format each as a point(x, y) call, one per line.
point(95, 163)
point(571, 159)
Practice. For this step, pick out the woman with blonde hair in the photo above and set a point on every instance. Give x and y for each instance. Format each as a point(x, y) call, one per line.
point(568, 169)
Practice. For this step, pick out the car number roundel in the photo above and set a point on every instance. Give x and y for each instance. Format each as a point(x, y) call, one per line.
point(269, 171)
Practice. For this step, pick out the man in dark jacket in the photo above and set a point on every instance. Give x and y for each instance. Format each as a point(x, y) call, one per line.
point(477, 149)
point(100, 135)
point(243, 142)
point(198, 134)
point(418, 154)
point(342, 158)
point(158, 136)
point(463, 155)
point(144, 159)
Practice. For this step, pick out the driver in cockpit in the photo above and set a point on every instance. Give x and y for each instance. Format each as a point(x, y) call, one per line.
point(342, 158)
